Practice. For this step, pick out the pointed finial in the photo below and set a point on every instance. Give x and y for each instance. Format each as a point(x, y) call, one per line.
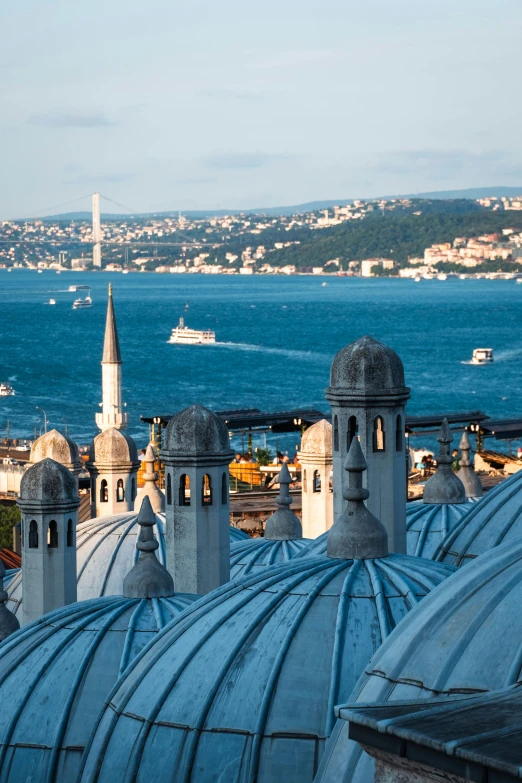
point(444, 486)
point(147, 578)
point(110, 289)
point(8, 622)
point(111, 344)
point(472, 483)
point(283, 525)
point(357, 534)
point(150, 488)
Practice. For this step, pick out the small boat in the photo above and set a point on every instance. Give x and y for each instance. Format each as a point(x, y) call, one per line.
point(51, 301)
point(72, 288)
point(427, 276)
point(324, 285)
point(125, 272)
point(82, 303)
point(6, 390)
point(418, 279)
point(184, 335)
point(518, 280)
point(482, 356)
point(442, 276)
point(58, 272)
point(40, 271)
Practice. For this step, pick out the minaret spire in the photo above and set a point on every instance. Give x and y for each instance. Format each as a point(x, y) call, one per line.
point(112, 414)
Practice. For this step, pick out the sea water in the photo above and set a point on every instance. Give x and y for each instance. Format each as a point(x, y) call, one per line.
point(276, 337)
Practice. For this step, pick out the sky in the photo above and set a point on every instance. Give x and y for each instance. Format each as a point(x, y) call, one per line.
point(199, 104)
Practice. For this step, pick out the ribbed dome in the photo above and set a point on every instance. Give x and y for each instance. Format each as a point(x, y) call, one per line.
point(427, 524)
point(113, 447)
point(57, 446)
point(248, 557)
point(106, 551)
point(196, 431)
point(367, 366)
point(317, 439)
point(244, 685)
point(56, 674)
point(465, 638)
point(47, 483)
point(495, 518)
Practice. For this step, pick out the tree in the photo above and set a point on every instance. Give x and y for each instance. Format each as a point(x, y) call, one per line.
point(9, 517)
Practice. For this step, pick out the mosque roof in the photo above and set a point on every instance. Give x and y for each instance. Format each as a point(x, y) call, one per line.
point(111, 343)
point(367, 366)
point(57, 446)
point(465, 638)
point(105, 552)
point(427, 524)
point(497, 517)
point(196, 431)
point(226, 679)
point(249, 557)
point(113, 447)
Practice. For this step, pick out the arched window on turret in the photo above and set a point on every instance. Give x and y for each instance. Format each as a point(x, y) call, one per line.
point(206, 490)
point(224, 489)
point(133, 490)
point(317, 481)
point(104, 492)
point(52, 535)
point(33, 535)
point(352, 431)
point(120, 492)
point(336, 434)
point(398, 433)
point(184, 490)
point(169, 490)
point(379, 439)
point(305, 482)
point(70, 535)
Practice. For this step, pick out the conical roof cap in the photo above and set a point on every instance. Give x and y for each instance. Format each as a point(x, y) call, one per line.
point(111, 344)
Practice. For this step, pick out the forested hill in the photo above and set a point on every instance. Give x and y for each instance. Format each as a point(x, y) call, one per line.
point(394, 235)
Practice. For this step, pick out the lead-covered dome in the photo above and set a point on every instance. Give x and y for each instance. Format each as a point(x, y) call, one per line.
point(367, 366)
point(196, 431)
point(113, 447)
point(465, 638)
point(245, 683)
point(47, 483)
point(249, 557)
point(105, 553)
point(57, 446)
point(427, 524)
point(495, 518)
point(56, 675)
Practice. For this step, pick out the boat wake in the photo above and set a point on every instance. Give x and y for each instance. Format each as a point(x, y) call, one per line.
point(508, 356)
point(306, 355)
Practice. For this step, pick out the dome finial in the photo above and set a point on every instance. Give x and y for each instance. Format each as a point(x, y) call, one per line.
point(147, 578)
point(150, 488)
point(8, 622)
point(472, 483)
point(357, 534)
point(283, 525)
point(444, 486)
point(110, 289)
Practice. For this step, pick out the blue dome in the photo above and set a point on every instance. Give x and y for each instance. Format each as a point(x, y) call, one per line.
point(466, 637)
point(427, 524)
point(106, 551)
point(243, 686)
point(247, 557)
point(56, 674)
point(495, 518)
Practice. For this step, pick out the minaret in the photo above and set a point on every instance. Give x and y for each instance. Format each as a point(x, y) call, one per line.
point(315, 458)
point(444, 486)
point(283, 525)
point(48, 502)
point(8, 622)
point(150, 488)
point(113, 466)
point(196, 455)
point(472, 483)
point(368, 396)
point(112, 413)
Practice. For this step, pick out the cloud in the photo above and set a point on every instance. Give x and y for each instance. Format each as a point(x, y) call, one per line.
point(92, 179)
point(437, 164)
point(241, 160)
point(230, 94)
point(71, 120)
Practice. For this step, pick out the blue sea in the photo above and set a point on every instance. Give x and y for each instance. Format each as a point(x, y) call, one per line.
point(276, 339)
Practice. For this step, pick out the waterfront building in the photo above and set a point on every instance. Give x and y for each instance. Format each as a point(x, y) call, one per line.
point(315, 457)
point(368, 394)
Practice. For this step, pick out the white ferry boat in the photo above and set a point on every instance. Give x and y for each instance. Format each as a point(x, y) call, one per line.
point(52, 301)
point(184, 335)
point(482, 356)
point(6, 390)
point(86, 301)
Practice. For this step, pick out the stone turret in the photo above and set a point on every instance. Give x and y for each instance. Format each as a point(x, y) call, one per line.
point(472, 483)
point(112, 414)
point(315, 458)
point(444, 486)
point(283, 525)
point(357, 534)
point(48, 502)
point(60, 448)
point(113, 465)
point(196, 455)
point(150, 488)
point(368, 395)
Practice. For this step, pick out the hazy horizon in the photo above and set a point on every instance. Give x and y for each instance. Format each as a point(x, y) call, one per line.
point(203, 106)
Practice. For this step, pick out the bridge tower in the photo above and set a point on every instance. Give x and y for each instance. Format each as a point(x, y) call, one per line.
point(96, 230)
